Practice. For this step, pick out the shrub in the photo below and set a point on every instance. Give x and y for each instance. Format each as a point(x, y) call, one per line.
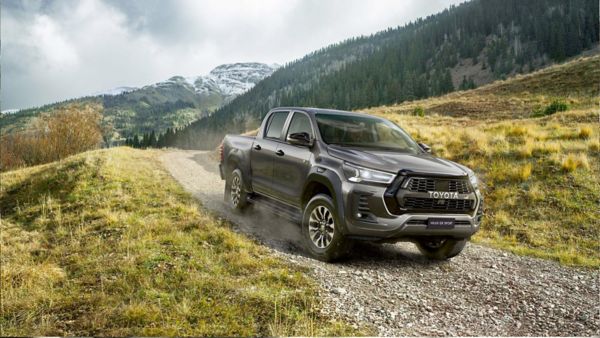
point(54, 136)
point(555, 106)
point(419, 111)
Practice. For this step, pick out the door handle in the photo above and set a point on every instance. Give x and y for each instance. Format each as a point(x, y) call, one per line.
point(257, 147)
point(279, 152)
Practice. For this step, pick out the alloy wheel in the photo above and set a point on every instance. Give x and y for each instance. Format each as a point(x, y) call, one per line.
point(321, 226)
point(236, 190)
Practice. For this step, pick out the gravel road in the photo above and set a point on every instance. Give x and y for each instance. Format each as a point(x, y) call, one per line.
point(393, 289)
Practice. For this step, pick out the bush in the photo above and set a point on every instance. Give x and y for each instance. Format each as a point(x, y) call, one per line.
point(419, 111)
point(53, 136)
point(554, 107)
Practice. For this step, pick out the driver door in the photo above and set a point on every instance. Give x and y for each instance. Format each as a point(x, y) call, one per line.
point(292, 163)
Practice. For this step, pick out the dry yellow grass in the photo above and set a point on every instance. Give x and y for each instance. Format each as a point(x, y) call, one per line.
point(539, 183)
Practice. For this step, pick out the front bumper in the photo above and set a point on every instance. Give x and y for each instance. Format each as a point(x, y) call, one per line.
point(367, 217)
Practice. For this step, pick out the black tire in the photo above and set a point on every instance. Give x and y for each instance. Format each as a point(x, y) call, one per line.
point(235, 195)
point(441, 249)
point(324, 227)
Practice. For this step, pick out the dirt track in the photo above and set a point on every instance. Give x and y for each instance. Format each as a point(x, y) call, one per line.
point(392, 288)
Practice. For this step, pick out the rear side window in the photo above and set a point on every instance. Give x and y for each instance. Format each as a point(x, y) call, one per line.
point(276, 124)
point(300, 123)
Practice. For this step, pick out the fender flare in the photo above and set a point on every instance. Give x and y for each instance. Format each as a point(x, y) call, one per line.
point(236, 160)
point(333, 182)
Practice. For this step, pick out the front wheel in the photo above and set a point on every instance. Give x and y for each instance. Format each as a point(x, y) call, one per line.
point(441, 249)
point(234, 191)
point(321, 230)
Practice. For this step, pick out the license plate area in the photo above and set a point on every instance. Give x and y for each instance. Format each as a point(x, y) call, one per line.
point(440, 223)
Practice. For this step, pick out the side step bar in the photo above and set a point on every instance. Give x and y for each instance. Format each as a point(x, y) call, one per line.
point(290, 213)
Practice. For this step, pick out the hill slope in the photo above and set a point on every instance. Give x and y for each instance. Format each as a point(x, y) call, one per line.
point(470, 44)
point(575, 82)
point(106, 243)
point(168, 104)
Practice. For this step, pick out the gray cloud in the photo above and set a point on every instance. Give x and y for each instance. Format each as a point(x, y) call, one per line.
point(54, 50)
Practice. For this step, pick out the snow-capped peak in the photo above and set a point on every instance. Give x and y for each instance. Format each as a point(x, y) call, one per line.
point(228, 80)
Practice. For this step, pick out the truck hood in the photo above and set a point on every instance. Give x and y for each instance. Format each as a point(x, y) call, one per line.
point(395, 161)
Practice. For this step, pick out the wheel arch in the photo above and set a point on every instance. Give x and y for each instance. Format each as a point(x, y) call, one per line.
point(236, 161)
point(327, 183)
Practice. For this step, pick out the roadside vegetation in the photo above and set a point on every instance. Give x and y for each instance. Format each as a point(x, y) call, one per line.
point(541, 178)
point(107, 243)
point(50, 137)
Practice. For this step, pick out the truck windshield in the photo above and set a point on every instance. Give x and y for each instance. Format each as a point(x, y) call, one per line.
point(365, 132)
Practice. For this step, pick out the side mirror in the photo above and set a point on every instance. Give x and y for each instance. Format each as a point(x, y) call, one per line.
point(300, 139)
point(425, 147)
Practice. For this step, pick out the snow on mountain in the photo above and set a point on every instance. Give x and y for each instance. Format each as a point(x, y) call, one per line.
point(115, 91)
point(227, 80)
point(9, 111)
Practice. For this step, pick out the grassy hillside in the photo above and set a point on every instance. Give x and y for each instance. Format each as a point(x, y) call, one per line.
point(575, 82)
point(541, 176)
point(106, 243)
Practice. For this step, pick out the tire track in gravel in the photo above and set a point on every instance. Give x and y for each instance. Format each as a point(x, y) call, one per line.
point(392, 288)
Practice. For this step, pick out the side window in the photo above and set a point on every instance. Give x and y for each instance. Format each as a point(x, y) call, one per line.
point(300, 123)
point(276, 124)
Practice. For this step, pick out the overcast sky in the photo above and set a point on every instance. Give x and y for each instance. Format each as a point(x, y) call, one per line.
point(55, 50)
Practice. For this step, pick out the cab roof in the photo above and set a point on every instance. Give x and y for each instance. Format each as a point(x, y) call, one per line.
point(313, 111)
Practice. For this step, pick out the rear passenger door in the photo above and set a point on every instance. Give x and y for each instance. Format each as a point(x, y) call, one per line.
point(292, 163)
point(263, 151)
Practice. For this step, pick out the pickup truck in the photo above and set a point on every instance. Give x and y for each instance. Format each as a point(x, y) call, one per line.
point(346, 176)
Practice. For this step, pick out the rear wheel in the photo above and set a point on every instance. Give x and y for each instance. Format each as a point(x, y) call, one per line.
point(234, 191)
point(321, 230)
point(441, 248)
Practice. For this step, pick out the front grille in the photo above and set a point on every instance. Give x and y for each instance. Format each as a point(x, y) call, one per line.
point(421, 185)
point(437, 204)
point(418, 184)
point(461, 187)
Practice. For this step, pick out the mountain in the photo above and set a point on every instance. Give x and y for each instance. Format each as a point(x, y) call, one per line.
point(462, 47)
point(171, 103)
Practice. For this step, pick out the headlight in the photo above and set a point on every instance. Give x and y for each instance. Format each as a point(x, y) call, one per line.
point(474, 180)
point(359, 174)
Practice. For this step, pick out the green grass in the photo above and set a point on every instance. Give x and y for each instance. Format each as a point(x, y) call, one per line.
point(106, 243)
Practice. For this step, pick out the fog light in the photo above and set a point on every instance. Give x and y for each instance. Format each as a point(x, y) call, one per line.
point(358, 215)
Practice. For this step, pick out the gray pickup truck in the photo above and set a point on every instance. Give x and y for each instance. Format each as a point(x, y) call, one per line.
point(347, 176)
